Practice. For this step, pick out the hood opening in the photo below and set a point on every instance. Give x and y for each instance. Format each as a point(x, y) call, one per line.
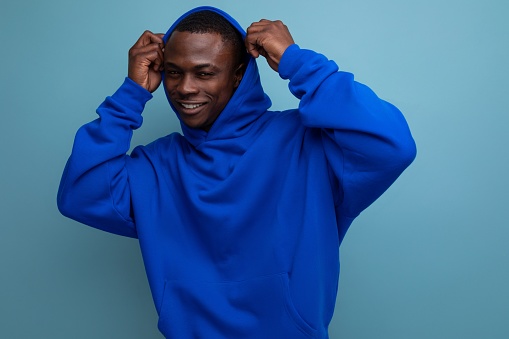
point(245, 105)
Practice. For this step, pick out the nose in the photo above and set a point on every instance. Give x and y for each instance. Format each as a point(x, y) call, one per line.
point(187, 85)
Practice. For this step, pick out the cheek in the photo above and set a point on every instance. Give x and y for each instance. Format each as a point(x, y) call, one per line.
point(168, 83)
point(222, 90)
point(171, 89)
point(211, 91)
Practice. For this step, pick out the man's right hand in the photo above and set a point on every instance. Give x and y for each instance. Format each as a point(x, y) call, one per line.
point(146, 61)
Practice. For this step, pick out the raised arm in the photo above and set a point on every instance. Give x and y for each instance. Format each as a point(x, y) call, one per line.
point(367, 140)
point(94, 188)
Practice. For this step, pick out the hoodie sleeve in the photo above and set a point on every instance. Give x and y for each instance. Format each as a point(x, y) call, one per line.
point(366, 140)
point(94, 188)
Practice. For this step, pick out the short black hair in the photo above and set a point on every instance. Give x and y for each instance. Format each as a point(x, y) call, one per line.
point(211, 22)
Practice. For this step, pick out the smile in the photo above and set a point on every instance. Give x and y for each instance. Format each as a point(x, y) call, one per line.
point(191, 106)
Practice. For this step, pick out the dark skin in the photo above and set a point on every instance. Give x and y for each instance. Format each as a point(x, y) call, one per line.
point(200, 76)
point(200, 70)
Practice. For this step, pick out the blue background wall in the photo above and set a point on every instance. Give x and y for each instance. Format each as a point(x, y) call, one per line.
point(427, 260)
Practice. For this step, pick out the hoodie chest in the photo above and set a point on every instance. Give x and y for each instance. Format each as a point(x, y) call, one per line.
point(231, 171)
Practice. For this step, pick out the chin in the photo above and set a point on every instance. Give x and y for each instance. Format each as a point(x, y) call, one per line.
point(193, 124)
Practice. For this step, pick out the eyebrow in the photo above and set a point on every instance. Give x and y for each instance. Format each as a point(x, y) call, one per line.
point(197, 67)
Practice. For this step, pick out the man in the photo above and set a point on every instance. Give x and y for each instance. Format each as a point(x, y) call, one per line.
point(240, 219)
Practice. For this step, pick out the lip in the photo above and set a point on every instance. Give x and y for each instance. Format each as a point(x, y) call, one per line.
point(190, 107)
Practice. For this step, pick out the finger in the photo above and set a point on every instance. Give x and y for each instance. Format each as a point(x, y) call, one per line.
point(145, 50)
point(255, 44)
point(152, 38)
point(161, 36)
point(258, 30)
point(259, 26)
point(256, 27)
point(148, 38)
point(257, 35)
point(252, 48)
point(158, 63)
point(142, 40)
point(252, 41)
point(261, 22)
point(148, 57)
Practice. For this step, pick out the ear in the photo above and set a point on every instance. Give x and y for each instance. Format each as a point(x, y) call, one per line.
point(238, 74)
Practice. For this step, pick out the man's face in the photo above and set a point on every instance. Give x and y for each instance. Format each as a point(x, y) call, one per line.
point(201, 75)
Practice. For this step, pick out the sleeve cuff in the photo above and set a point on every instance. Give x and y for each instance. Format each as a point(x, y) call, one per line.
point(287, 66)
point(132, 95)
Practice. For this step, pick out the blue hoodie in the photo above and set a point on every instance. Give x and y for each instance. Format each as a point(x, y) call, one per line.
point(240, 226)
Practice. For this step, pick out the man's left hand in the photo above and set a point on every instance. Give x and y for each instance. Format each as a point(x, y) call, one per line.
point(269, 39)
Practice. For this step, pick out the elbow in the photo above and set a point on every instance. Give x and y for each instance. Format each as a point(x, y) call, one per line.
point(68, 198)
point(404, 152)
point(408, 152)
point(93, 211)
point(64, 203)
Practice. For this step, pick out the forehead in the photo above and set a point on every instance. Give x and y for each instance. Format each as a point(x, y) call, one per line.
point(197, 48)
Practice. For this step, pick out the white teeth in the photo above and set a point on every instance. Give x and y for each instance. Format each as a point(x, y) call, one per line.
point(190, 106)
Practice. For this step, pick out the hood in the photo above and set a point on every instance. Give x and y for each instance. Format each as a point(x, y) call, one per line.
point(246, 105)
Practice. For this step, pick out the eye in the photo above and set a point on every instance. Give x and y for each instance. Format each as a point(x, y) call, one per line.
point(205, 74)
point(172, 73)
